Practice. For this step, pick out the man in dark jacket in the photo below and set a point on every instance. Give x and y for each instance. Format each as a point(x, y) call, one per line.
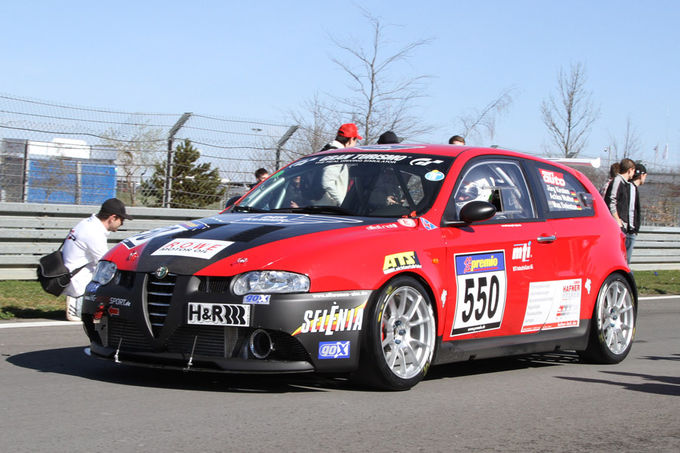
point(388, 137)
point(621, 205)
point(638, 179)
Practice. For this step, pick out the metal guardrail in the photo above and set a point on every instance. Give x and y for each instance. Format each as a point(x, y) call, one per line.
point(29, 231)
point(656, 248)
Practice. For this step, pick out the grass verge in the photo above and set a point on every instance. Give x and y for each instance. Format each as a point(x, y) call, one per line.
point(26, 299)
point(657, 282)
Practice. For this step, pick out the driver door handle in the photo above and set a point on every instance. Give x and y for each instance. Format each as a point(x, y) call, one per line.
point(545, 238)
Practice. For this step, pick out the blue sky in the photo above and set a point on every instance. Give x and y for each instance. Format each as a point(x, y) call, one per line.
point(261, 60)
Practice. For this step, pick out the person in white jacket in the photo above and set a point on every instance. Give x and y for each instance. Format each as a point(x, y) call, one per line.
point(336, 177)
point(84, 247)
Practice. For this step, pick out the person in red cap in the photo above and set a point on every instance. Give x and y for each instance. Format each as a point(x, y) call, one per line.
point(335, 178)
point(347, 137)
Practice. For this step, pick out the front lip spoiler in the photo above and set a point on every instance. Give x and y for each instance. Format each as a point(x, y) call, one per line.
point(178, 361)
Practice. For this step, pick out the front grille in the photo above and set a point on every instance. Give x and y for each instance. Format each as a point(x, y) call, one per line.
point(214, 285)
point(213, 341)
point(158, 296)
point(127, 335)
point(210, 341)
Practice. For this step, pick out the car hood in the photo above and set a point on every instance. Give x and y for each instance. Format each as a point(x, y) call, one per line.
point(188, 247)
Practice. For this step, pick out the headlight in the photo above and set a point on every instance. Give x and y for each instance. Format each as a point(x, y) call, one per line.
point(105, 272)
point(270, 282)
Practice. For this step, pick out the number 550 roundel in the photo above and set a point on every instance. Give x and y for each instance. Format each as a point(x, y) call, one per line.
point(377, 262)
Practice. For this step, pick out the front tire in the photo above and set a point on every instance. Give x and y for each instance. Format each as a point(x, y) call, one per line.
point(400, 338)
point(612, 326)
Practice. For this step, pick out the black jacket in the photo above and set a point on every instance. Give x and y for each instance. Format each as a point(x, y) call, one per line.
point(617, 198)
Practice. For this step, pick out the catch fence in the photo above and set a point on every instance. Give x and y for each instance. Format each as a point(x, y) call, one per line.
point(58, 153)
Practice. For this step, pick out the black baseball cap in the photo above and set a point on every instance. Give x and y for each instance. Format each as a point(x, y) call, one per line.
point(389, 137)
point(116, 207)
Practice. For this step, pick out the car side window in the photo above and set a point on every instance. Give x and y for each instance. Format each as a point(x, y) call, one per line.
point(564, 193)
point(501, 183)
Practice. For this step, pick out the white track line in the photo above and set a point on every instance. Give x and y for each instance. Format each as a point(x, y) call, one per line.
point(658, 297)
point(11, 325)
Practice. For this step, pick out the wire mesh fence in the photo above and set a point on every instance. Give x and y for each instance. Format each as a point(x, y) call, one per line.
point(58, 153)
point(659, 195)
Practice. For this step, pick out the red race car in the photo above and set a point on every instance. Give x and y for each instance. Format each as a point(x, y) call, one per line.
point(377, 262)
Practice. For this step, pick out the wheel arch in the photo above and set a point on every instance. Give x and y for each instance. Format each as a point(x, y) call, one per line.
point(630, 279)
point(423, 281)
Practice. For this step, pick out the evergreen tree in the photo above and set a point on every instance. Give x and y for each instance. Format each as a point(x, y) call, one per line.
point(193, 185)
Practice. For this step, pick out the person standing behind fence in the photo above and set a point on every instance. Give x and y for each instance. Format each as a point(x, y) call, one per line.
point(613, 171)
point(388, 137)
point(456, 140)
point(84, 246)
point(260, 175)
point(618, 199)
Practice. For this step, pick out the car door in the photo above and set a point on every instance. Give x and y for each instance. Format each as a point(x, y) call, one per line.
point(492, 263)
point(556, 297)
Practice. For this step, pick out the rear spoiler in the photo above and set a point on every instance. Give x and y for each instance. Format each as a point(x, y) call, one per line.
point(595, 163)
point(585, 162)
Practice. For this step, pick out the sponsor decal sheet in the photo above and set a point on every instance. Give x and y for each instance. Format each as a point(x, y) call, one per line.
point(553, 305)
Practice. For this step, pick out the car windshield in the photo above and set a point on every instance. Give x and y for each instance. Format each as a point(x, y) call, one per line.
point(359, 184)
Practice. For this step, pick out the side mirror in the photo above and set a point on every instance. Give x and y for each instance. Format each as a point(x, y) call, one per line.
point(474, 211)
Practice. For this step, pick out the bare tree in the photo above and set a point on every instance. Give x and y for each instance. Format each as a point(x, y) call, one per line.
point(138, 151)
point(382, 101)
point(630, 147)
point(480, 123)
point(382, 97)
point(570, 117)
point(318, 122)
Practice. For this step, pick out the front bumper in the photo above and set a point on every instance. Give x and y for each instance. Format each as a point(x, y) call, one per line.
point(134, 322)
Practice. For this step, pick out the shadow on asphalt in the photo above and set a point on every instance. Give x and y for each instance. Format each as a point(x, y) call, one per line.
point(74, 362)
point(501, 364)
point(654, 384)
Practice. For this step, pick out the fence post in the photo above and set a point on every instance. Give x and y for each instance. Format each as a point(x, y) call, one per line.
point(282, 141)
point(167, 193)
point(24, 173)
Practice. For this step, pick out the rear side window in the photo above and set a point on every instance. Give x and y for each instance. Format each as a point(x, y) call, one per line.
point(565, 196)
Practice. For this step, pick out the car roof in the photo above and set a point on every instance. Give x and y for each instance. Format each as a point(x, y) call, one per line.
point(447, 150)
point(443, 150)
point(438, 149)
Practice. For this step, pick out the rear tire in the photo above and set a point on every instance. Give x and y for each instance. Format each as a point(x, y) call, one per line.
point(400, 338)
point(612, 326)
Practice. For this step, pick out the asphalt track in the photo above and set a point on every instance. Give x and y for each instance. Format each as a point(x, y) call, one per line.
point(55, 398)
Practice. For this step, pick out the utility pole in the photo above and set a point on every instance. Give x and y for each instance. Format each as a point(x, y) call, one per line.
point(167, 193)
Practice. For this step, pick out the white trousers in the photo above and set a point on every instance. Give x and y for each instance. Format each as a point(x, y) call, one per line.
point(74, 307)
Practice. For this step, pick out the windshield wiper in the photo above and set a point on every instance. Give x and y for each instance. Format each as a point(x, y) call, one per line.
point(324, 209)
point(239, 208)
